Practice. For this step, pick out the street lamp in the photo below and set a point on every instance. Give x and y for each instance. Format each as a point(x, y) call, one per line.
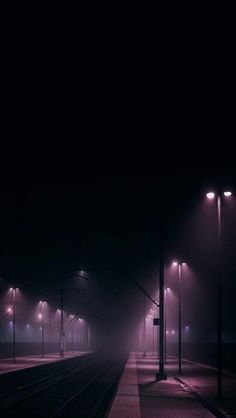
point(13, 290)
point(41, 316)
point(218, 196)
point(180, 268)
point(166, 292)
point(72, 318)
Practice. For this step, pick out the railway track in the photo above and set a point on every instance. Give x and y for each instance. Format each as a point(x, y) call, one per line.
point(74, 391)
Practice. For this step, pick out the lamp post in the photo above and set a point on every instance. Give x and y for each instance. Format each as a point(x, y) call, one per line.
point(72, 318)
point(62, 334)
point(161, 374)
point(41, 316)
point(166, 292)
point(211, 196)
point(13, 290)
point(180, 267)
point(144, 330)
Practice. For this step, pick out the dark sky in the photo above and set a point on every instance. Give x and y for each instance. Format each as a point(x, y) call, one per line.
point(102, 137)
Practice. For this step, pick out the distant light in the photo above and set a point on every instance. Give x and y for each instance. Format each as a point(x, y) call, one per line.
point(210, 195)
point(227, 194)
point(40, 316)
point(172, 332)
point(11, 288)
point(184, 264)
point(28, 325)
point(167, 332)
point(168, 289)
point(175, 263)
point(9, 310)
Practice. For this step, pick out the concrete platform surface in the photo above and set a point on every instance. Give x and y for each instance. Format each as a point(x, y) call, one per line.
point(25, 362)
point(190, 395)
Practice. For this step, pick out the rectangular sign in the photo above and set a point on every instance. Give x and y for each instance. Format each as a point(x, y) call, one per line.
point(156, 321)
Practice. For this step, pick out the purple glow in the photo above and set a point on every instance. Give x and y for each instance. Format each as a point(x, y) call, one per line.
point(227, 194)
point(172, 332)
point(40, 316)
point(175, 263)
point(210, 195)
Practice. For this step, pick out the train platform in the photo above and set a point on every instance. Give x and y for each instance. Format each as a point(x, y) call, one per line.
point(193, 394)
point(25, 362)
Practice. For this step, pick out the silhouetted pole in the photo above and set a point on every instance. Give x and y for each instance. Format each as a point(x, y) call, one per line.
point(72, 336)
point(49, 326)
point(165, 326)
point(180, 319)
point(153, 334)
point(62, 326)
point(14, 326)
point(89, 336)
point(161, 375)
point(144, 330)
point(43, 329)
point(219, 303)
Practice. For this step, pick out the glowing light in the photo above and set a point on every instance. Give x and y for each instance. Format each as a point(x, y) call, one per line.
point(9, 310)
point(210, 195)
point(227, 194)
point(11, 288)
point(40, 316)
point(167, 332)
point(168, 289)
point(172, 332)
point(187, 328)
point(28, 325)
point(175, 263)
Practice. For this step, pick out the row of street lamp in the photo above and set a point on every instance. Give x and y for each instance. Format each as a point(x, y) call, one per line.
point(41, 316)
point(162, 375)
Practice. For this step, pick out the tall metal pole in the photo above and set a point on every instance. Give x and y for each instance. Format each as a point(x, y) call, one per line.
point(144, 329)
point(72, 335)
point(161, 375)
point(180, 320)
point(14, 326)
point(165, 327)
point(89, 337)
point(49, 326)
point(219, 303)
point(42, 329)
point(62, 326)
point(153, 333)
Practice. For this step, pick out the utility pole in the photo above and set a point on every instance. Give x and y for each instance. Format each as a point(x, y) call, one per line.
point(14, 325)
point(161, 375)
point(62, 325)
point(219, 303)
